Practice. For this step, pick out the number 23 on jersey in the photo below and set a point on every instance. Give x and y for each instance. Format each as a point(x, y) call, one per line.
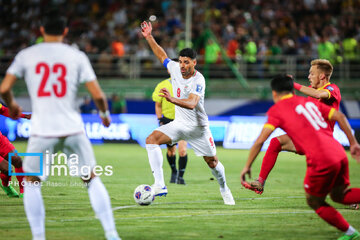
point(45, 70)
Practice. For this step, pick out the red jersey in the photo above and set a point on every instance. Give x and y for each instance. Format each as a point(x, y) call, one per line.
point(333, 101)
point(304, 120)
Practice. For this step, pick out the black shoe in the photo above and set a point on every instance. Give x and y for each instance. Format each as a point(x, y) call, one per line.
point(180, 180)
point(173, 177)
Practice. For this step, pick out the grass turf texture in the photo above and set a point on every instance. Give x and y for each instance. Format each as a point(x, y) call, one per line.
point(194, 211)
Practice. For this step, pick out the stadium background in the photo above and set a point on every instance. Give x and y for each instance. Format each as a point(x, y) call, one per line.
point(240, 45)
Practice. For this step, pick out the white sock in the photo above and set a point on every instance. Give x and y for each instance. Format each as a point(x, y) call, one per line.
point(219, 173)
point(156, 163)
point(350, 231)
point(100, 202)
point(34, 209)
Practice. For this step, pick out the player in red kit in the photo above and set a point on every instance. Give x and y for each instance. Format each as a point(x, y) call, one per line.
point(5, 148)
point(321, 90)
point(327, 164)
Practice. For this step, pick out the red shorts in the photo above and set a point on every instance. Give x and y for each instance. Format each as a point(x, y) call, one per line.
point(5, 147)
point(319, 182)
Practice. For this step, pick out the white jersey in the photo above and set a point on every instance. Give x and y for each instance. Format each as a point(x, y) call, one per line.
point(182, 88)
point(53, 72)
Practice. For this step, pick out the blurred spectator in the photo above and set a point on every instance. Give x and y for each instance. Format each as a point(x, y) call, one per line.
point(250, 51)
point(212, 51)
point(118, 48)
point(296, 24)
point(326, 49)
point(87, 106)
point(118, 104)
point(350, 46)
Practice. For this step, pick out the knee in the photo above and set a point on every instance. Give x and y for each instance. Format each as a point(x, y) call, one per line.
point(150, 139)
point(314, 203)
point(182, 152)
point(33, 179)
point(171, 151)
point(212, 162)
point(16, 161)
point(337, 197)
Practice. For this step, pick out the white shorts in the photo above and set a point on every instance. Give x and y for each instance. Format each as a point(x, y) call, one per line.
point(199, 137)
point(77, 154)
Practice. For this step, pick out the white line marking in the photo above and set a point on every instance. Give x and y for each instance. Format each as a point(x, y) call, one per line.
point(190, 202)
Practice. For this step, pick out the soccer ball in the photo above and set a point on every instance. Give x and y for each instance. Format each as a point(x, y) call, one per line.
point(144, 195)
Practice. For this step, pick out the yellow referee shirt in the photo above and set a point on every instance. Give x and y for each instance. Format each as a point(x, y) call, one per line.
point(168, 109)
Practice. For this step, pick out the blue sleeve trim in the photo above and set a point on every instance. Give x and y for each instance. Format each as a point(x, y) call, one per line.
point(166, 61)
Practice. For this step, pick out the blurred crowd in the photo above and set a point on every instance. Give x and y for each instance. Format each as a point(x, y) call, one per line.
point(248, 29)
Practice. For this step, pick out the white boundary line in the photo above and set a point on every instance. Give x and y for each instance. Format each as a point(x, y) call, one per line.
point(190, 202)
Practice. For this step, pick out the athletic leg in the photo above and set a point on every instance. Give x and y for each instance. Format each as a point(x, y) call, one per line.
point(99, 198)
point(277, 144)
point(183, 158)
point(5, 178)
point(218, 170)
point(16, 161)
point(153, 142)
point(171, 158)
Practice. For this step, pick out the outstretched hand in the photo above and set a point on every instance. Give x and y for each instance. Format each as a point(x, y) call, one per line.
point(166, 94)
point(146, 29)
point(246, 170)
point(26, 116)
point(15, 110)
point(355, 152)
point(106, 121)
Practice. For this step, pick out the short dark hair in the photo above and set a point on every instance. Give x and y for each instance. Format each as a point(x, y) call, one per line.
point(188, 52)
point(282, 83)
point(54, 23)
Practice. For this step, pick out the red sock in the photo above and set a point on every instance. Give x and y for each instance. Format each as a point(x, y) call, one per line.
point(5, 179)
point(20, 179)
point(352, 196)
point(270, 157)
point(333, 217)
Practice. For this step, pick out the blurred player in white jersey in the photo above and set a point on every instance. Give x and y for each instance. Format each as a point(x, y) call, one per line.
point(53, 71)
point(191, 121)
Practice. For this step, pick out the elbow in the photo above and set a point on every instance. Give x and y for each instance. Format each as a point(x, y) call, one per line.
point(342, 116)
point(3, 91)
point(192, 106)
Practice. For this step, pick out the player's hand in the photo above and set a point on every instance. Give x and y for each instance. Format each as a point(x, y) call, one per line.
point(166, 94)
point(146, 29)
point(255, 186)
point(161, 121)
point(246, 170)
point(355, 152)
point(26, 116)
point(106, 121)
point(15, 110)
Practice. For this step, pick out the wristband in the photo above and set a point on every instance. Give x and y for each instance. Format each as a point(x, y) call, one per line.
point(104, 114)
point(297, 86)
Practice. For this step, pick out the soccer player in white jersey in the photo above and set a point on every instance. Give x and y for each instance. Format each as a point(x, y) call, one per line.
point(191, 121)
point(52, 71)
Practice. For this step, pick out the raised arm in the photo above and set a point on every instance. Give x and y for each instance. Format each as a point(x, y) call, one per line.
point(345, 126)
point(254, 152)
point(159, 52)
point(315, 93)
point(100, 101)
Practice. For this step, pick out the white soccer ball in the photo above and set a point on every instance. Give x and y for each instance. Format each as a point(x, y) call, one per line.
point(144, 195)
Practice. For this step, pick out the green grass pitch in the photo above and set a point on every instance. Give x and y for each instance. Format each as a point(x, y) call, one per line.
point(194, 211)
